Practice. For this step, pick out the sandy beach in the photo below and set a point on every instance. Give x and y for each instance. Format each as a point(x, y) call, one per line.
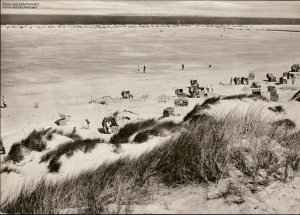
point(63, 68)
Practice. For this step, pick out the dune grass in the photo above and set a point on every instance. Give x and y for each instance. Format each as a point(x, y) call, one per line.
point(129, 129)
point(198, 108)
point(68, 150)
point(244, 96)
point(50, 133)
point(156, 130)
point(200, 150)
point(296, 96)
point(35, 141)
point(285, 123)
point(15, 153)
point(277, 109)
point(8, 169)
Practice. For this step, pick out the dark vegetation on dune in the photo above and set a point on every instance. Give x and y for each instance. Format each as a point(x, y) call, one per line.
point(201, 150)
point(143, 130)
point(15, 154)
point(156, 130)
point(277, 109)
point(285, 123)
point(129, 129)
point(35, 141)
point(214, 100)
point(49, 135)
point(8, 169)
point(245, 96)
point(296, 96)
point(198, 108)
point(68, 150)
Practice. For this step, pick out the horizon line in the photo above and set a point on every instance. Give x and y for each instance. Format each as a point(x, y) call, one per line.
point(28, 19)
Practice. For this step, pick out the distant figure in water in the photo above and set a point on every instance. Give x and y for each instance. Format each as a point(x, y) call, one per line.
point(144, 69)
point(182, 66)
point(4, 102)
point(221, 35)
point(212, 88)
point(74, 131)
point(209, 66)
point(138, 68)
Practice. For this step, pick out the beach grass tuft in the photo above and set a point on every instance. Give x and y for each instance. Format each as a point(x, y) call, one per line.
point(129, 129)
point(157, 130)
point(15, 154)
point(68, 150)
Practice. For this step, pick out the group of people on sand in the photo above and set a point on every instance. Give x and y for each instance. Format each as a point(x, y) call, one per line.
point(207, 89)
point(144, 68)
point(110, 123)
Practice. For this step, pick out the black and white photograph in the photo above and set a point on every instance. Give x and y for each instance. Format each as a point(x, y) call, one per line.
point(150, 107)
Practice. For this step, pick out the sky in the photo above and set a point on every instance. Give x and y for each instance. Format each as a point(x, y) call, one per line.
point(277, 9)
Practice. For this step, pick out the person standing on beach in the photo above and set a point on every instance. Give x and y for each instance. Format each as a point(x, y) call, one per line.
point(293, 80)
point(207, 88)
point(88, 123)
point(212, 88)
point(231, 81)
point(144, 69)
point(4, 102)
point(74, 131)
point(182, 66)
point(205, 91)
point(138, 68)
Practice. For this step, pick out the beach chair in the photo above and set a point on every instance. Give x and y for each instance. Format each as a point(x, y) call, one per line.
point(168, 111)
point(179, 92)
point(251, 75)
point(271, 88)
point(256, 85)
point(61, 115)
point(285, 74)
point(271, 77)
point(126, 95)
point(274, 96)
point(61, 122)
point(295, 68)
point(181, 102)
point(282, 80)
point(256, 91)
